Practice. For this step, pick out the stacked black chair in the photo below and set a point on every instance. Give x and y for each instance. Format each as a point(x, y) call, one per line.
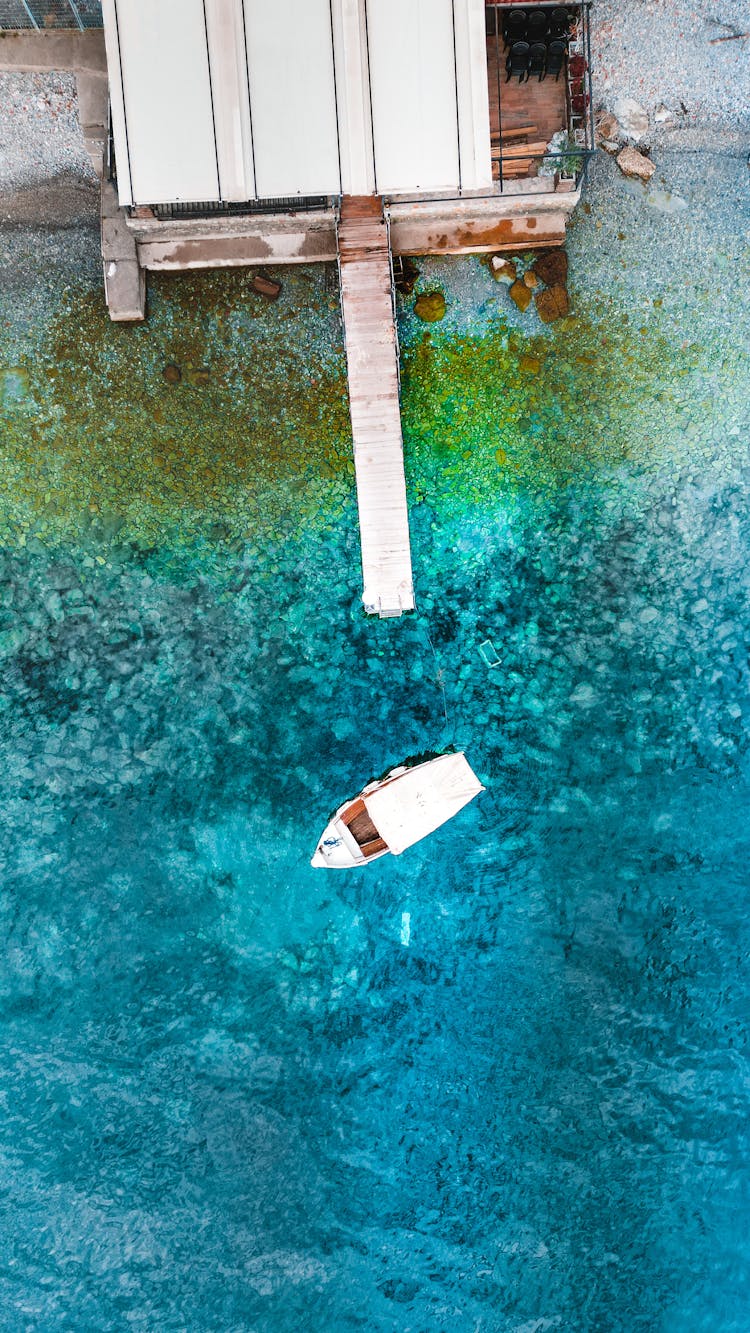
point(556, 58)
point(537, 60)
point(514, 26)
point(536, 25)
point(517, 62)
point(558, 23)
point(537, 36)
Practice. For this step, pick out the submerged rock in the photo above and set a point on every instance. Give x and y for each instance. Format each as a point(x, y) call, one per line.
point(665, 202)
point(531, 364)
point(552, 268)
point(405, 276)
point(635, 165)
point(552, 303)
point(430, 306)
point(172, 373)
point(502, 269)
point(520, 294)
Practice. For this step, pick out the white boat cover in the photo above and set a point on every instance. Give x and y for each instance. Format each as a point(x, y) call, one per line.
point(420, 800)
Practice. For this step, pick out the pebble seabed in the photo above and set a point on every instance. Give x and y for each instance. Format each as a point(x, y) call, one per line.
point(240, 1094)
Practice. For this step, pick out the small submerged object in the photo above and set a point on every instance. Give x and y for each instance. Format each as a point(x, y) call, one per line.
point(489, 654)
point(14, 386)
point(397, 811)
point(665, 202)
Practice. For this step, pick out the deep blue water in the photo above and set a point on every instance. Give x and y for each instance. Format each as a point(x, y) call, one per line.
point(234, 1098)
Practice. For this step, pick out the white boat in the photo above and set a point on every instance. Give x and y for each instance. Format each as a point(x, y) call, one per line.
point(392, 814)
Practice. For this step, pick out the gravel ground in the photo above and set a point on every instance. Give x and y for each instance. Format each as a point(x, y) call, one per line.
point(664, 53)
point(40, 137)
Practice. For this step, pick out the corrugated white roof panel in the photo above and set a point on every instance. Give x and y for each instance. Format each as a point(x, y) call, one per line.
point(292, 97)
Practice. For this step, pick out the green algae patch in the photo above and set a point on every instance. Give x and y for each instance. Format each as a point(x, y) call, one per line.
point(220, 418)
point(502, 412)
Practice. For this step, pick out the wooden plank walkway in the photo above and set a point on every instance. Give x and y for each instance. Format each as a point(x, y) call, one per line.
point(372, 368)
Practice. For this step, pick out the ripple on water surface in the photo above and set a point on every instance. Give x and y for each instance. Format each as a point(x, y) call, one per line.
point(238, 1095)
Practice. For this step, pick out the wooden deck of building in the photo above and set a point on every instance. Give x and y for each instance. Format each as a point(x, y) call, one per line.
point(538, 106)
point(372, 368)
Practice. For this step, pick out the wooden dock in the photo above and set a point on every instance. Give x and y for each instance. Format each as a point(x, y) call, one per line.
point(372, 368)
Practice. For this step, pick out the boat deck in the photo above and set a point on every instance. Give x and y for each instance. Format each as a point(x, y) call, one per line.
point(363, 830)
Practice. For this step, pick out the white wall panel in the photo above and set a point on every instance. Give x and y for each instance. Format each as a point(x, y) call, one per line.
point(353, 97)
point(167, 100)
point(292, 96)
point(226, 49)
point(117, 102)
point(413, 85)
point(473, 94)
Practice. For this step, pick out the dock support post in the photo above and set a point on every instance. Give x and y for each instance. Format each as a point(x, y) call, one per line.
point(124, 279)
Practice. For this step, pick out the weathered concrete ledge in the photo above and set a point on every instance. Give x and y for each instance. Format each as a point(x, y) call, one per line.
point(224, 242)
point(42, 52)
point(481, 226)
point(450, 226)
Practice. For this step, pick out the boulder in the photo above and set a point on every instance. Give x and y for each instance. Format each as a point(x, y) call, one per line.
point(607, 127)
point(552, 303)
point(631, 118)
point(430, 306)
point(502, 269)
point(530, 278)
point(634, 164)
point(552, 268)
point(521, 295)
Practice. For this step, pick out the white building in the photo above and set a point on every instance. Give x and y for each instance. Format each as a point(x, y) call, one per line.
point(239, 125)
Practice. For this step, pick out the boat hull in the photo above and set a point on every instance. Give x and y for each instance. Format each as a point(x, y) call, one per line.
point(390, 815)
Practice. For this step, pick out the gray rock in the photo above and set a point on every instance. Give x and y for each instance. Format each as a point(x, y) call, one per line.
point(631, 118)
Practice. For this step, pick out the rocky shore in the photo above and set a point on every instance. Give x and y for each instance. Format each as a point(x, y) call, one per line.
point(685, 62)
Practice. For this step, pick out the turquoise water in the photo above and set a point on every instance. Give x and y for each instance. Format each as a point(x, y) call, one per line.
point(234, 1098)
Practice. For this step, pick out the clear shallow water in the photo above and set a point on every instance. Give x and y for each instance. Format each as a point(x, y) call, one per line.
point(233, 1099)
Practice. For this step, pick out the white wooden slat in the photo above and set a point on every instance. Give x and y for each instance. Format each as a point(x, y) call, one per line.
point(292, 97)
point(473, 94)
point(225, 30)
point(353, 97)
point(117, 102)
point(413, 89)
point(167, 100)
